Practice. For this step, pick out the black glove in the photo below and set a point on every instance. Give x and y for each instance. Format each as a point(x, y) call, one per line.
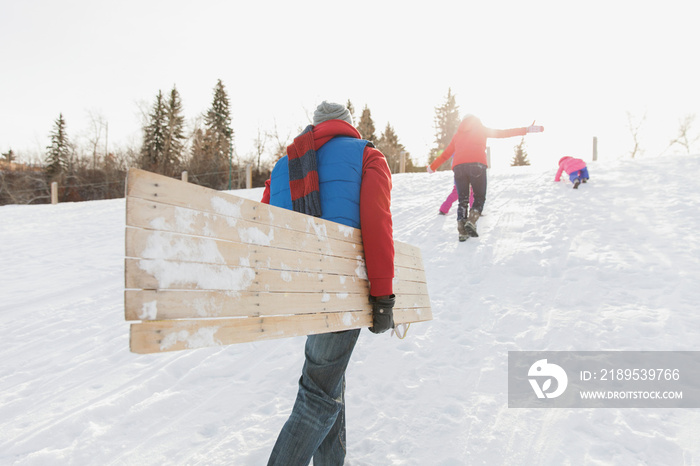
point(382, 313)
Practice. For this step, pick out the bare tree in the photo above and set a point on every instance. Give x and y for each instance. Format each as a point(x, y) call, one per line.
point(684, 139)
point(24, 186)
point(260, 142)
point(98, 125)
point(279, 145)
point(634, 126)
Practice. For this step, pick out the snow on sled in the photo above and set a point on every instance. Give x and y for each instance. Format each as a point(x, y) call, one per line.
point(207, 268)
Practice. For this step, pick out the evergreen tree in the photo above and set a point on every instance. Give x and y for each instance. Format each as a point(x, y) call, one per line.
point(446, 123)
point(520, 157)
point(174, 136)
point(9, 156)
point(153, 157)
point(218, 122)
point(366, 126)
point(212, 149)
point(351, 109)
point(389, 145)
point(197, 144)
point(58, 153)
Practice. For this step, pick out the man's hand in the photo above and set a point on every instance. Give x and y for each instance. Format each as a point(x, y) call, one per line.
point(382, 313)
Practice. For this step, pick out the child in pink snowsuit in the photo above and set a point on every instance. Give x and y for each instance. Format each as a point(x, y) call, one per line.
point(575, 168)
point(452, 197)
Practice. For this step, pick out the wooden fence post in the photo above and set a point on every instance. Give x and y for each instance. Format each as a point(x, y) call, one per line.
point(248, 176)
point(595, 148)
point(54, 192)
point(184, 176)
point(402, 162)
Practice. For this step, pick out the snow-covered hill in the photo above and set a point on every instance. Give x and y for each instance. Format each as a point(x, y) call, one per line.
point(614, 265)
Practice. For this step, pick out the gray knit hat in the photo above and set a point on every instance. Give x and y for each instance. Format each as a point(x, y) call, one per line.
point(331, 111)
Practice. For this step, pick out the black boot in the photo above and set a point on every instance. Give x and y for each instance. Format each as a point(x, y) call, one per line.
point(462, 229)
point(471, 222)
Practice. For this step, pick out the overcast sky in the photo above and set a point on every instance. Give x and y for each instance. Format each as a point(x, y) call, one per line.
point(577, 68)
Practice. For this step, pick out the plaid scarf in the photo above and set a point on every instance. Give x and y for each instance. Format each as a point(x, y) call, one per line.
point(303, 174)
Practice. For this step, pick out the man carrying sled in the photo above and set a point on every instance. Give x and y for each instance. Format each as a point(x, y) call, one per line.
point(330, 172)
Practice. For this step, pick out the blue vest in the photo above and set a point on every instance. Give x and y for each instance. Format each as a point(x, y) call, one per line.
point(339, 166)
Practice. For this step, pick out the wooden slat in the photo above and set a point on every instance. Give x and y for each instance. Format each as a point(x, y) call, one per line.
point(157, 274)
point(150, 274)
point(174, 335)
point(178, 304)
point(184, 248)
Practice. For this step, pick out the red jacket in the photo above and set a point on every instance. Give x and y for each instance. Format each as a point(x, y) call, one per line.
point(469, 143)
point(375, 207)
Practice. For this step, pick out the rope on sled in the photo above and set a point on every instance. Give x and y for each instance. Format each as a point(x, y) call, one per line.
point(395, 330)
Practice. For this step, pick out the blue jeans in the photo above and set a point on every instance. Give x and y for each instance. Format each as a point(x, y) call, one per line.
point(316, 427)
point(581, 175)
point(466, 175)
